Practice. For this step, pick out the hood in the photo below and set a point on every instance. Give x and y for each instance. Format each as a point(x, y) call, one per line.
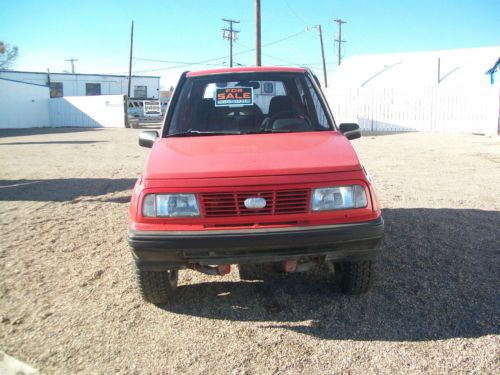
point(251, 155)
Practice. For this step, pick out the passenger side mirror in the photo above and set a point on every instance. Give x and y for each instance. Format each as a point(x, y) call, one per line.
point(147, 138)
point(351, 131)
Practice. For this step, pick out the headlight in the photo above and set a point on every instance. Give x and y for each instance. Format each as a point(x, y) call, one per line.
point(338, 198)
point(170, 205)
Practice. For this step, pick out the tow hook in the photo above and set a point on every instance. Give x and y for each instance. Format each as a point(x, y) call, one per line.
point(290, 265)
point(220, 270)
point(301, 265)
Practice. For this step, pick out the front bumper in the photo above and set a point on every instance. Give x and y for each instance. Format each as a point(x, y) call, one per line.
point(341, 242)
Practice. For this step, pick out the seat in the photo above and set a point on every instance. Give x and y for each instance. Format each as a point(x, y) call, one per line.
point(281, 104)
point(204, 113)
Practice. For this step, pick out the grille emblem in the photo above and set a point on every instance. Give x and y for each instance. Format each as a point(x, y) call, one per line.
point(255, 202)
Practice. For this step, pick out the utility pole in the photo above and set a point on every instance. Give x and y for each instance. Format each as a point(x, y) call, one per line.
point(258, 54)
point(72, 60)
point(339, 40)
point(130, 60)
point(322, 55)
point(231, 35)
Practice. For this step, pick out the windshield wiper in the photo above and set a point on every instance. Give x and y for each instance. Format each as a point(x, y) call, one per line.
point(262, 131)
point(192, 133)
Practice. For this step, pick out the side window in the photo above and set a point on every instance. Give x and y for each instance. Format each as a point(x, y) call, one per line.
point(268, 88)
point(92, 89)
point(140, 91)
point(56, 89)
point(320, 113)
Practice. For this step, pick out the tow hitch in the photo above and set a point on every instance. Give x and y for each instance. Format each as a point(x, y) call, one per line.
point(220, 270)
point(300, 265)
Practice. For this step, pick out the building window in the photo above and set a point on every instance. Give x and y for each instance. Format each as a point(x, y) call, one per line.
point(56, 89)
point(268, 88)
point(92, 89)
point(140, 91)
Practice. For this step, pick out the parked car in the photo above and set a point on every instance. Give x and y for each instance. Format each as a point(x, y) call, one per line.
point(235, 178)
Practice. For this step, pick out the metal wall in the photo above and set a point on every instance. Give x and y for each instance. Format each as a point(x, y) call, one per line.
point(23, 105)
point(427, 109)
point(75, 84)
point(88, 111)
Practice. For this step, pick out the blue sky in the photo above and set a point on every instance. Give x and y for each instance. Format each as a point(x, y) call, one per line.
point(97, 32)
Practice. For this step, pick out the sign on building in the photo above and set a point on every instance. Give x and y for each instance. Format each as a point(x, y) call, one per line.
point(152, 108)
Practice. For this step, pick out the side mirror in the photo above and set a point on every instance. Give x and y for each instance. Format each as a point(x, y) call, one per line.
point(147, 138)
point(351, 131)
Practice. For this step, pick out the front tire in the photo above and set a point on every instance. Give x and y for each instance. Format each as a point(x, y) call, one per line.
point(157, 286)
point(354, 277)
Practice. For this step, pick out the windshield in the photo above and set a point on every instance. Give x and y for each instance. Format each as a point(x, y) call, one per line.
point(248, 103)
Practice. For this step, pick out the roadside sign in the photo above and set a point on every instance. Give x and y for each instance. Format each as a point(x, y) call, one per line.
point(152, 108)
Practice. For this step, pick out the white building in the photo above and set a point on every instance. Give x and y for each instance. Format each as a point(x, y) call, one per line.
point(432, 91)
point(23, 105)
point(467, 67)
point(77, 84)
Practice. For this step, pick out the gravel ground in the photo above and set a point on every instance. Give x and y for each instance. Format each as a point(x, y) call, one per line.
point(68, 301)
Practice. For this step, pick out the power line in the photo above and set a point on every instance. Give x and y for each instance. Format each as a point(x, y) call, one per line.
point(339, 40)
point(171, 62)
point(72, 60)
point(203, 62)
point(294, 13)
point(271, 56)
point(230, 34)
point(285, 38)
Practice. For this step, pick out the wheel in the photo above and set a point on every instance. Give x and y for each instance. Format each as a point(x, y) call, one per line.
point(157, 286)
point(354, 277)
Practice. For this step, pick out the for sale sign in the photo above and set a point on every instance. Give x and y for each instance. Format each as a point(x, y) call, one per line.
point(233, 96)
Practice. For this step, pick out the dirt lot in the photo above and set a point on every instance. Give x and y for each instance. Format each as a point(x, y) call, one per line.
point(69, 304)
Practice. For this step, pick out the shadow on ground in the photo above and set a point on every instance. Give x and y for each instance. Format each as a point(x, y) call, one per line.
point(65, 189)
point(4, 133)
point(51, 143)
point(437, 279)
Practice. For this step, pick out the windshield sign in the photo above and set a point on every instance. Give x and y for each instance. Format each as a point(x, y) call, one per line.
point(233, 96)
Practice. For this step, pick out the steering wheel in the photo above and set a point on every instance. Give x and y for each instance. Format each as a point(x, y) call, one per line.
point(245, 111)
point(268, 125)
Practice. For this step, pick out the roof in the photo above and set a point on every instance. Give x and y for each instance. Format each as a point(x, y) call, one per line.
point(458, 67)
point(246, 69)
point(24, 83)
point(77, 74)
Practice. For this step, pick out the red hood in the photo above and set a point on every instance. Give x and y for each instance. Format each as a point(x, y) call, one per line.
point(250, 155)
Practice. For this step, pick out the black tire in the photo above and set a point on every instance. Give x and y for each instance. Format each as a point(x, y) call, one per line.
point(157, 286)
point(355, 277)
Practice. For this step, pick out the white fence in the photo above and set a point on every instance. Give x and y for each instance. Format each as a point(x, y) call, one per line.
point(427, 109)
point(88, 111)
point(23, 105)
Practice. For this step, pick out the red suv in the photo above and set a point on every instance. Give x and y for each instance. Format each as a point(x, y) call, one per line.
point(250, 167)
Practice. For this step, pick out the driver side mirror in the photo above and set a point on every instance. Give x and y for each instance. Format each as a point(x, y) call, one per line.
point(350, 130)
point(147, 138)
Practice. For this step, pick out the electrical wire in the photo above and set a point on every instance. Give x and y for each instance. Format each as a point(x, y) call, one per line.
point(169, 62)
point(204, 62)
point(294, 13)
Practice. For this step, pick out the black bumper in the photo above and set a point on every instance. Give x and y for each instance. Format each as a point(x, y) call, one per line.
point(344, 242)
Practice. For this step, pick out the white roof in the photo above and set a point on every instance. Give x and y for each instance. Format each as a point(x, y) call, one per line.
point(462, 67)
